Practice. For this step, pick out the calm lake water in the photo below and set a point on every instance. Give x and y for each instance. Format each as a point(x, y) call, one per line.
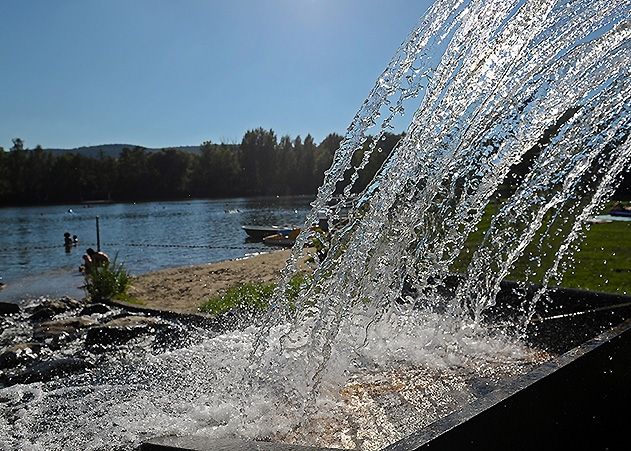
point(145, 236)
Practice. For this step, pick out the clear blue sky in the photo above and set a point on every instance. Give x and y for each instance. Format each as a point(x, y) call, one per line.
point(163, 73)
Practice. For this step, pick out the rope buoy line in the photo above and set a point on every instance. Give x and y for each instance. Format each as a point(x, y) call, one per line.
point(29, 248)
point(183, 246)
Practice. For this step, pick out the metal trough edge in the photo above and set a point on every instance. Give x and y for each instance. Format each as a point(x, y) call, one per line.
point(193, 443)
point(569, 401)
point(579, 399)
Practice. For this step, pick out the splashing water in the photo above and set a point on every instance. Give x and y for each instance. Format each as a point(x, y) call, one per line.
point(383, 341)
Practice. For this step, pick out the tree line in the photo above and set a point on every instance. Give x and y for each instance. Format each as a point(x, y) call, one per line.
point(260, 165)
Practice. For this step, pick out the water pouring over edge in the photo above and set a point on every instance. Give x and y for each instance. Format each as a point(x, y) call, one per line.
point(382, 323)
point(499, 83)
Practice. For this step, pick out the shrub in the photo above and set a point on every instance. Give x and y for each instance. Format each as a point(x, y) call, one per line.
point(109, 281)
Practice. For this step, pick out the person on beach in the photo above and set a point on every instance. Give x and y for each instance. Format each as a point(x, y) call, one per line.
point(92, 260)
point(87, 264)
point(75, 240)
point(98, 258)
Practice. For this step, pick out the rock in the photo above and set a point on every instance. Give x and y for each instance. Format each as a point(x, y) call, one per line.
point(47, 370)
point(51, 307)
point(94, 308)
point(7, 308)
point(72, 303)
point(43, 313)
point(120, 330)
point(19, 353)
point(134, 322)
point(68, 326)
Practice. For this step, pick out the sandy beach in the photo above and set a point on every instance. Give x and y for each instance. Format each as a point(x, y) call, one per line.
point(184, 289)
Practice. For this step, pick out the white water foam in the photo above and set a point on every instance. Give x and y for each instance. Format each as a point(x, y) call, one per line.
point(209, 390)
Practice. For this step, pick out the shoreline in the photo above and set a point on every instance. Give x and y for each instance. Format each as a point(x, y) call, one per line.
point(179, 289)
point(183, 289)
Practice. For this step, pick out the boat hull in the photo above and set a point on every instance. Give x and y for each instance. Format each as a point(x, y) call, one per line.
point(259, 232)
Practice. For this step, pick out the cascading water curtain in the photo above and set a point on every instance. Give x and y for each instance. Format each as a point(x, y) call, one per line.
point(495, 84)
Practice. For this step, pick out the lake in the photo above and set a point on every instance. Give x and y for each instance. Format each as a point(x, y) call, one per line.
point(145, 236)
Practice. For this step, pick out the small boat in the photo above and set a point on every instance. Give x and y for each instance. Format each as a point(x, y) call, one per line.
point(259, 232)
point(602, 219)
point(621, 212)
point(282, 239)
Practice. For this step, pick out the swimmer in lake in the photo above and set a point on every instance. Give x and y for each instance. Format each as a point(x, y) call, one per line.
point(67, 242)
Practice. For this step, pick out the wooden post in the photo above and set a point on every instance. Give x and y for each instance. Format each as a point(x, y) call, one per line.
point(98, 236)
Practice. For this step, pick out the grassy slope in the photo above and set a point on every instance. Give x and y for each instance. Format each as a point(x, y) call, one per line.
point(603, 262)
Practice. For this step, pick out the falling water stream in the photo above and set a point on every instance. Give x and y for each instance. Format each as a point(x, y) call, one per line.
point(383, 339)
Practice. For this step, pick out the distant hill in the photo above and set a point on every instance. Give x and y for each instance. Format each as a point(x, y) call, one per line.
point(114, 150)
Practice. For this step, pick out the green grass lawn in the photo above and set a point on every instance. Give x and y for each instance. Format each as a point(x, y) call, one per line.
point(602, 263)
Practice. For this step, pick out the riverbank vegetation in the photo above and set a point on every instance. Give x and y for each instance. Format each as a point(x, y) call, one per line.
point(253, 296)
